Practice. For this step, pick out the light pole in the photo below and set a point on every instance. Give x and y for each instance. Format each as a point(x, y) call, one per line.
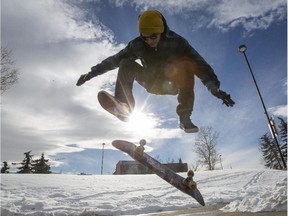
point(220, 161)
point(242, 49)
point(103, 144)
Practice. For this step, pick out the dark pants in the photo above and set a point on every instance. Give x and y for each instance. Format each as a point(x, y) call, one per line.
point(175, 77)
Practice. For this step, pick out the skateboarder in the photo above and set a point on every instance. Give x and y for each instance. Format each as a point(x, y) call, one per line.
point(169, 64)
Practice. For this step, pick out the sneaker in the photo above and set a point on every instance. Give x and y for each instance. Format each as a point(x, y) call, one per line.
point(119, 109)
point(122, 111)
point(123, 108)
point(186, 125)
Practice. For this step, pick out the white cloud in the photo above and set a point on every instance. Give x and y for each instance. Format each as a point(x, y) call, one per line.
point(280, 111)
point(250, 14)
point(47, 22)
point(45, 111)
point(222, 14)
point(53, 46)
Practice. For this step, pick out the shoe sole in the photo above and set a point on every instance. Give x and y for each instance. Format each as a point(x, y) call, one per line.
point(109, 103)
point(189, 130)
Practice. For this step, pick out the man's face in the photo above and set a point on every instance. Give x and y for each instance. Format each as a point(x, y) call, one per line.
point(151, 39)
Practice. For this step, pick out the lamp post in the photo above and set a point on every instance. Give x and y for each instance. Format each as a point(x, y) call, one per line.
point(103, 144)
point(242, 49)
point(220, 161)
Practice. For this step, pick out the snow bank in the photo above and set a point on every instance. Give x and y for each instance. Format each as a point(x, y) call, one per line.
point(269, 198)
point(61, 195)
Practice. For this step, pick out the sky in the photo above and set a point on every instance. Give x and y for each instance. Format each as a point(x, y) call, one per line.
point(54, 42)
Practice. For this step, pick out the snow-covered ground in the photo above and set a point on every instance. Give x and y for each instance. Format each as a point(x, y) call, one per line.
point(59, 195)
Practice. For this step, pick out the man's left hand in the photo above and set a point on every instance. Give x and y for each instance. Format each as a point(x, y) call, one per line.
point(223, 96)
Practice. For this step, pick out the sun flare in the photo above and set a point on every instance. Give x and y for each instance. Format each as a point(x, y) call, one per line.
point(141, 123)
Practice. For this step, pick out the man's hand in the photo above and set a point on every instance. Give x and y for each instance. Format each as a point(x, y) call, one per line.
point(83, 78)
point(223, 96)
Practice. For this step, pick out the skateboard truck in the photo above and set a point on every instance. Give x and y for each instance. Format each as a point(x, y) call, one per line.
point(140, 149)
point(189, 182)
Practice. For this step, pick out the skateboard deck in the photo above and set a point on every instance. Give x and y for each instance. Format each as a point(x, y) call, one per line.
point(159, 169)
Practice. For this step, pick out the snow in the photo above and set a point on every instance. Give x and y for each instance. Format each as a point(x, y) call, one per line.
point(61, 195)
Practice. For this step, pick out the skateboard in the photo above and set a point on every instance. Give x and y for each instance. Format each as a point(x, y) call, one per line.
point(179, 182)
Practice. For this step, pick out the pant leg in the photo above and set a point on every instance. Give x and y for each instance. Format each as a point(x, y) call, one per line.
point(127, 73)
point(185, 102)
point(181, 72)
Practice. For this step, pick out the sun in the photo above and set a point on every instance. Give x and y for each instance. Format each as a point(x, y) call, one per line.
point(142, 124)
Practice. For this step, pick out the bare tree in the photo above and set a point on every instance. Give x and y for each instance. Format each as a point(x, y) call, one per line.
point(195, 166)
point(205, 147)
point(9, 75)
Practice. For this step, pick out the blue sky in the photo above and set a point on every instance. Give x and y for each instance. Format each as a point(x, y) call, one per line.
point(54, 42)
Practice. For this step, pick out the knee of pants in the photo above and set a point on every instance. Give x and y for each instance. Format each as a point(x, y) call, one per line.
point(127, 63)
point(129, 68)
point(181, 72)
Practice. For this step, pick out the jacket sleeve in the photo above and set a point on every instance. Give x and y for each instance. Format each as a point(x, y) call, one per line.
point(112, 62)
point(205, 72)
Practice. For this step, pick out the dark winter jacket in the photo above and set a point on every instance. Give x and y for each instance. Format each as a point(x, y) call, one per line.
point(171, 45)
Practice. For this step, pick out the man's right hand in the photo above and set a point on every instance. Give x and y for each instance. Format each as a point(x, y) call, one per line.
point(83, 78)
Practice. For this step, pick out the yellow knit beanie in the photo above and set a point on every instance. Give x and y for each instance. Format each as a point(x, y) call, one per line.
point(150, 22)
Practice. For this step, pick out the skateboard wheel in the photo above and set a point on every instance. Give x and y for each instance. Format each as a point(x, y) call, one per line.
point(142, 142)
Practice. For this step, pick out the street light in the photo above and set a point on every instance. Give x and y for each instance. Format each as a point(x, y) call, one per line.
point(242, 49)
point(102, 158)
point(220, 161)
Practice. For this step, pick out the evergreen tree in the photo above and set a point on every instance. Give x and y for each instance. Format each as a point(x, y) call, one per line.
point(26, 164)
point(283, 137)
point(270, 152)
point(5, 168)
point(41, 166)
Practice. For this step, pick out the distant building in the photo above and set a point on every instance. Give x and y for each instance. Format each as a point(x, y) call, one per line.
point(134, 167)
